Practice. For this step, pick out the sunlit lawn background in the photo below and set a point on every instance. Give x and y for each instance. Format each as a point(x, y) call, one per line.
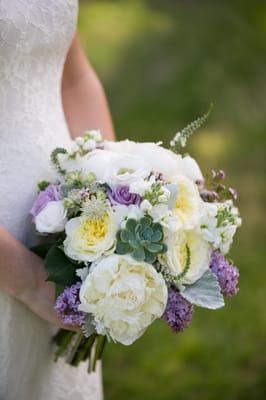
point(161, 63)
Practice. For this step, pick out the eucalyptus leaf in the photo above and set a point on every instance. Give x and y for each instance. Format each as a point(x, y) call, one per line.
point(205, 292)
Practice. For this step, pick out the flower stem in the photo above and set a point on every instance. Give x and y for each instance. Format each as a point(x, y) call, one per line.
point(101, 341)
point(84, 350)
point(74, 349)
point(62, 339)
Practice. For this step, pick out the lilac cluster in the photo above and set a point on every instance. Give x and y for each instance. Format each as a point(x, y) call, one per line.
point(51, 193)
point(226, 273)
point(122, 195)
point(178, 313)
point(67, 306)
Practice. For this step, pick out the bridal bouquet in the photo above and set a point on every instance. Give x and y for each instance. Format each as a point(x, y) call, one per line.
point(137, 234)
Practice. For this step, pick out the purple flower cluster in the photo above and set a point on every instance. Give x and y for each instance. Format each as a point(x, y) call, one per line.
point(226, 274)
point(178, 313)
point(67, 306)
point(122, 195)
point(51, 193)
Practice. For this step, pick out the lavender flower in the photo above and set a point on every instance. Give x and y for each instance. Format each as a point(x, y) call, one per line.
point(178, 313)
point(226, 274)
point(67, 306)
point(122, 195)
point(51, 193)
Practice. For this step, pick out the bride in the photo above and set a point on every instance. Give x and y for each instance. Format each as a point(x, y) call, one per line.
point(48, 93)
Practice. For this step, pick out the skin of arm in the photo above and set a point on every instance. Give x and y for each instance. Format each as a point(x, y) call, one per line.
point(22, 273)
point(84, 100)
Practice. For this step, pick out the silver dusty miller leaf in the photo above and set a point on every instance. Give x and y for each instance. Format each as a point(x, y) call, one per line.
point(205, 292)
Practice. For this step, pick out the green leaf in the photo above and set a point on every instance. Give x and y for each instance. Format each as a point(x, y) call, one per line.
point(157, 227)
point(164, 248)
point(157, 236)
point(59, 289)
point(126, 235)
point(138, 254)
point(41, 249)
point(154, 247)
point(123, 248)
point(60, 269)
point(147, 233)
point(205, 292)
point(131, 224)
point(150, 257)
point(145, 222)
point(134, 244)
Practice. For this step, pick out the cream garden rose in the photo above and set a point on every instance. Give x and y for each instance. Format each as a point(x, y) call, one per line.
point(187, 250)
point(124, 296)
point(188, 202)
point(89, 238)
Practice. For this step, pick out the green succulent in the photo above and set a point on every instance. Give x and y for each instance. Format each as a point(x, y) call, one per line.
point(142, 239)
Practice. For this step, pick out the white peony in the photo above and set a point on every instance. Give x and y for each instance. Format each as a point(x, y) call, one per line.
point(124, 296)
point(126, 169)
point(88, 239)
point(187, 250)
point(188, 203)
point(52, 218)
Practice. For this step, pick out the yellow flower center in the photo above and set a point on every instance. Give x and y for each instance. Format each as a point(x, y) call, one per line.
point(94, 230)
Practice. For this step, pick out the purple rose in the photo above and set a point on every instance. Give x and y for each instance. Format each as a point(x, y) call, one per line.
point(51, 193)
point(121, 195)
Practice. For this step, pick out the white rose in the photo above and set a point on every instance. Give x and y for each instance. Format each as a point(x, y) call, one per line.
point(188, 203)
point(187, 250)
point(124, 296)
point(126, 169)
point(160, 159)
point(97, 162)
point(88, 239)
point(52, 218)
point(191, 169)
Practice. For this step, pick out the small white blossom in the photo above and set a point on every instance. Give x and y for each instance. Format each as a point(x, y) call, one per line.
point(89, 145)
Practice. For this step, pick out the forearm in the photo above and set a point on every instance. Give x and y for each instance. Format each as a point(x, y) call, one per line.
point(23, 275)
point(21, 271)
point(83, 97)
point(86, 107)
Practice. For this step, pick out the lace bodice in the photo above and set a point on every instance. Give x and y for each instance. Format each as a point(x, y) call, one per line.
point(35, 36)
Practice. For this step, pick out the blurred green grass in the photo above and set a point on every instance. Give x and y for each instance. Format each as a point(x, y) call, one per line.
point(162, 62)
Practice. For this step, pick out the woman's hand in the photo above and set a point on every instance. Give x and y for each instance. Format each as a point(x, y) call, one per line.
point(23, 275)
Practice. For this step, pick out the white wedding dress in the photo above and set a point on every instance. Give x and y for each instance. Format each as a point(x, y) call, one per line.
point(34, 39)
